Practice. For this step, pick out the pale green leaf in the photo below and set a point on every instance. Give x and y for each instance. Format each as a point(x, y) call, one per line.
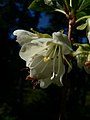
point(80, 14)
point(82, 18)
point(82, 27)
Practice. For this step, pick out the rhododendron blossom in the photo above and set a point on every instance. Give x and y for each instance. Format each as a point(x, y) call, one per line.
point(45, 57)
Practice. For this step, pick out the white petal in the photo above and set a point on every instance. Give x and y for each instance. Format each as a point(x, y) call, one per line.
point(42, 41)
point(24, 36)
point(42, 68)
point(44, 83)
point(58, 81)
point(33, 74)
point(28, 50)
point(63, 40)
point(61, 70)
point(32, 48)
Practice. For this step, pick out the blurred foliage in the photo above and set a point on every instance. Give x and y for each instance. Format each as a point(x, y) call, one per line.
point(18, 101)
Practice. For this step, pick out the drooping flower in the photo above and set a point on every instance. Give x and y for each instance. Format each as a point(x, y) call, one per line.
point(45, 57)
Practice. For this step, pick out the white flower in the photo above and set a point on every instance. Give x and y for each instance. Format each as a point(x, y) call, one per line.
point(45, 58)
point(24, 36)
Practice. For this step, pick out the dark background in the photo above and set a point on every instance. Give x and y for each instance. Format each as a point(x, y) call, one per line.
point(18, 99)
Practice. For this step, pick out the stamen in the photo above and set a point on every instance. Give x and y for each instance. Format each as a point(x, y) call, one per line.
point(44, 67)
point(54, 56)
point(49, 54)
point(67, 61)
point(53, 76)
point(50, 50)
point(60, 63)
point(59, 59)
point(55, 51)
point(46, 59)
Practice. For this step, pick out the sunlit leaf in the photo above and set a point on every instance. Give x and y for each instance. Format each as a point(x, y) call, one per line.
point(82, 27)
point(82, 18)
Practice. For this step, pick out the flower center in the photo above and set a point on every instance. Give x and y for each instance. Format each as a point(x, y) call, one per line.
point(51, 56)
point(54, 54)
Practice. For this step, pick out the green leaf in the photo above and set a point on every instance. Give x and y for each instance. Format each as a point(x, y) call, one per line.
point(72, 6)
point(81, 49)
point(80, 14)
point(39, 6)
point(82, 18)
point(77, 3)
point(84, 4)
point(67, 5)
point(88, 59)
point(81, 27)
point(76, 6)
point(57, 5)
point(85, 47)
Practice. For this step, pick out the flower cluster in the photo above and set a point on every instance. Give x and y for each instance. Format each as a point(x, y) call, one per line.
point(46, 57)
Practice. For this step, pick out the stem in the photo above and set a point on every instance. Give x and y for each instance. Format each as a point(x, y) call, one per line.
point(72, 20)
point(70, 29)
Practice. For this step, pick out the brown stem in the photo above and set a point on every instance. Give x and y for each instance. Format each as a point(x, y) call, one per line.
point(70, 29)
point(72, 20)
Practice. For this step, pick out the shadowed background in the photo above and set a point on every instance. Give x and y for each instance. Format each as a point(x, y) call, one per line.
point(18, 101)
